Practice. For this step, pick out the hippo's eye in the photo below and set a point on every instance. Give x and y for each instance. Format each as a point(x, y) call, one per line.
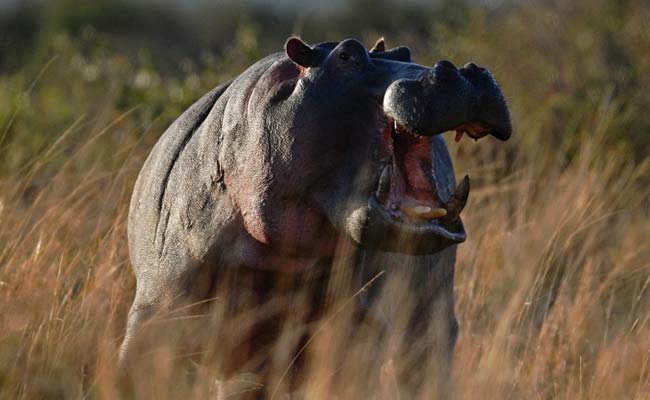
point(344, 56)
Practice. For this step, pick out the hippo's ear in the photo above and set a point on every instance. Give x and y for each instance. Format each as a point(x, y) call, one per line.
point(401, 53)
point(380, 45)
point(300, 52)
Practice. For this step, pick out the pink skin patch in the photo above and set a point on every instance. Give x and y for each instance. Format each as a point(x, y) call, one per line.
point(278, 224)
point(413, 161)
point(411, 182)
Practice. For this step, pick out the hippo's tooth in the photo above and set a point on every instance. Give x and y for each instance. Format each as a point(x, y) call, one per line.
point(474, 133)
point(383, 189)
point(459, 135)
point(401, 129)
point(423, 212)
point(458, 199)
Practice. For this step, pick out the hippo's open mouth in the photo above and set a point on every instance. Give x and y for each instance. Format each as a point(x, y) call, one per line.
point(406, 207)
point(409, 211)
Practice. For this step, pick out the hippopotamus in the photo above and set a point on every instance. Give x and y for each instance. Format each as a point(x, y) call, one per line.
point(310, 149)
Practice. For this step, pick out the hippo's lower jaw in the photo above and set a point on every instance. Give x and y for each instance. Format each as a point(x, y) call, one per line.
point(406, 213)
point(390, 234)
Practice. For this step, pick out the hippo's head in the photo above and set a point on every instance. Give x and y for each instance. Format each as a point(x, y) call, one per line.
point(348, 140)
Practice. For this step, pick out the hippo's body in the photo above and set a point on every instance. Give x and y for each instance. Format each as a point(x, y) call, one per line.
point(307, 151)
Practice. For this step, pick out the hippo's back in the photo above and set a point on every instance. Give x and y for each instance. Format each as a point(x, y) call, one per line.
point(147, 217)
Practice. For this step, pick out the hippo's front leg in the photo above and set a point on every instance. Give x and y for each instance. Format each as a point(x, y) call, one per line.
point(414, 304)
point(178, 210)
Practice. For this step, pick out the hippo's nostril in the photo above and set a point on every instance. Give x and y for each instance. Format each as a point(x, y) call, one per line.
point(445, 64)
point(445, 71)
point(471, 67)
point(471, 70)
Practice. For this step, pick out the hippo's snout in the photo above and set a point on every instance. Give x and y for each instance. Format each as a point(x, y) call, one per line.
point(467, 100)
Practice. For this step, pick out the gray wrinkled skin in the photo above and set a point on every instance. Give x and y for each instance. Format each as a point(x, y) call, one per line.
point(273, 170)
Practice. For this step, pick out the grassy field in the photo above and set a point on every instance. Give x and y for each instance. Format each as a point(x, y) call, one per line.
point(552, 284)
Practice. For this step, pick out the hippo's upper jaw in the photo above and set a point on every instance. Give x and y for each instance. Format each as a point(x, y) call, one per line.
point(444, 98)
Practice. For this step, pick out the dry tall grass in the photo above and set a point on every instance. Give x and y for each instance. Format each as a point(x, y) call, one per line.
point(552, 284)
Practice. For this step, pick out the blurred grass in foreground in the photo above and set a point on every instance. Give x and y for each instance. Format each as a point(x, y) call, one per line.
point(552, 284)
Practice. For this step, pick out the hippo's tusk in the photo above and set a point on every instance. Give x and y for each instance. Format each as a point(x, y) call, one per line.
point(383, 190)
point(458, 199)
